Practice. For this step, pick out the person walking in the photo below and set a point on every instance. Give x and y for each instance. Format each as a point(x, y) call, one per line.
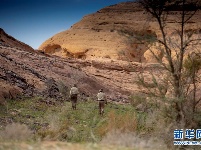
point(73, 96)
point(102, 101)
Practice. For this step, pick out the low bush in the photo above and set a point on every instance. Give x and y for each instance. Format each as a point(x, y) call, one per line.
point(16, 132)
point(132, 140)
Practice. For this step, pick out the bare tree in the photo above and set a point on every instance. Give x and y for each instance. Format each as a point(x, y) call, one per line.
point(175, 44)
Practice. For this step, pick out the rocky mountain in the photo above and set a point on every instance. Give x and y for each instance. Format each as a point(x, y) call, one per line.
point(28, 72)
point(8, 41)
point(108, 34)
point(101, 40)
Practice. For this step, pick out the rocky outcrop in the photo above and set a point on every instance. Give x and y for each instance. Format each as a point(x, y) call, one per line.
point(37, 74)
point(109, 57)
point(110, 32)
point(34, 73)
point(103, 34)
point(8, 41)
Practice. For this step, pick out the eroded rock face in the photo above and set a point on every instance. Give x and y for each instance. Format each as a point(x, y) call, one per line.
point(8, 41)
point(109, 33)
point(34, 73)
point(101, 35)
point(37, 74)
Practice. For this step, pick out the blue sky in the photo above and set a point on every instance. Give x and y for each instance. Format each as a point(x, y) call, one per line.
point(34, 21)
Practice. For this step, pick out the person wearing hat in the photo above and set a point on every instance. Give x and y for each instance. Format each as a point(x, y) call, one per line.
point(102, 100)
point(73, 96)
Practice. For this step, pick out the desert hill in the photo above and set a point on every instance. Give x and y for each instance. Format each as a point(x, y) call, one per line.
point(44, 78)
point(32, 73)
point(7, 40)
point(108, 34)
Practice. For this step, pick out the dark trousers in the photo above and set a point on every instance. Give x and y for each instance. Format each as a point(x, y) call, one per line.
point(74, 101)
point(101, 107)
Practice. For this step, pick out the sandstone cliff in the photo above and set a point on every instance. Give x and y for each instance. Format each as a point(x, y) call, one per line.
point(33, 73)
point(104, 39)
point(99, 34)
point(109, 32)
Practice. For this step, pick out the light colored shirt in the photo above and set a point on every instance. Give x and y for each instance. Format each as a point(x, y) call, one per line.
point(74, 90)
point(101, 96)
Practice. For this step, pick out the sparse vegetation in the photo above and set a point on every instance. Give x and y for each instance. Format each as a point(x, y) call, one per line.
point(16, 132)
point(173, 89)
point(130, 139)
point(167, 101)
point(58, 122)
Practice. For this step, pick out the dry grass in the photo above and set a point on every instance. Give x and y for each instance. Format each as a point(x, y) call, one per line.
point(55, 145)
point(131, 140)
point(122, 122)
point(16, 132)
point(57, 128)
point(61, 123)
